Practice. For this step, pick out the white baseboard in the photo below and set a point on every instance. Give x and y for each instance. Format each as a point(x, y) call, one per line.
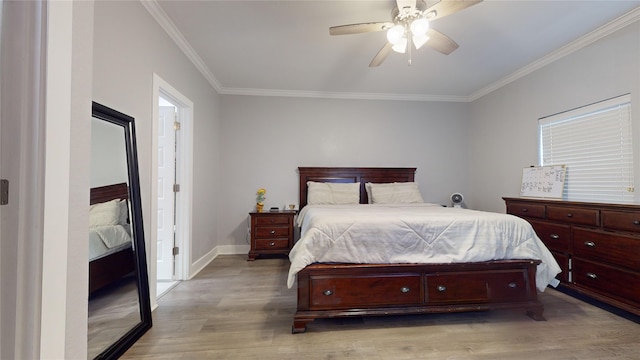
point(201, 263)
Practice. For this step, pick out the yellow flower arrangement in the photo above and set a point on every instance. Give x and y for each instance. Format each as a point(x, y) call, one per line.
point(260, 196)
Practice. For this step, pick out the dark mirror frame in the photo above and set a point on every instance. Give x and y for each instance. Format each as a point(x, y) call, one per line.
point(118, 348)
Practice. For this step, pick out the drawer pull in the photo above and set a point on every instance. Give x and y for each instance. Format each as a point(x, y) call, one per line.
point(592, 275)
point(554, 236)
point(404, 289)
point(569, 215)
point(272, 244)
point(636, 222)
point(441, 288)
point(273, 232)
point(590, 244)
point(327, 292)
point(525, 210)
point(513, 285)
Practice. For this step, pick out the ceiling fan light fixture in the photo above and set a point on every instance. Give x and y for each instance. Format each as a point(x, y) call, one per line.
point(395, 34)
point(400, 46)
point(420, 40)
point(419, 26)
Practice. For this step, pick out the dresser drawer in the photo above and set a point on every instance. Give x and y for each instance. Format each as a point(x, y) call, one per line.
point(608, 247)
point(526, 210)
point(353, 291)
point(572, 215)
point(554, 236)
point(620, 220)
point(272, 220)
point(476, 287)
point(271, 231)
point(612, 282)
point(271, 244)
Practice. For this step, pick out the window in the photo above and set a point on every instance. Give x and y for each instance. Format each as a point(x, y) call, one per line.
point(594, 142)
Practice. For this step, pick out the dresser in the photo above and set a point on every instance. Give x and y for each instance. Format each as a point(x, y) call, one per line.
point(597, 246)
point(271, 233)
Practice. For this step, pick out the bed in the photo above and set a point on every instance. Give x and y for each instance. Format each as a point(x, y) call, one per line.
point(110, 248)
point(331, 284)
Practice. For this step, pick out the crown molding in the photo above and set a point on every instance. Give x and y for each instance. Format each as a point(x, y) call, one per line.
point(343, 95)
point(170, 28)
point(161, 17)
point(582, 42)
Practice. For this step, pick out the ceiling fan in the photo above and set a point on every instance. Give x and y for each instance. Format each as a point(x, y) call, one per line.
point(410, 24)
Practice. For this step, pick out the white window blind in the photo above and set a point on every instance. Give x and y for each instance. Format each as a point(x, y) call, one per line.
point(595, 142)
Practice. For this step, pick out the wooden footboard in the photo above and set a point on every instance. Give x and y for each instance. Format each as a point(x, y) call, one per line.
point(340, 290)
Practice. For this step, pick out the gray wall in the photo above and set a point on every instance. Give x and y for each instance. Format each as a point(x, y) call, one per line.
point(108, 154)
point(504, 122)
point(267, 138)
point(129, 47)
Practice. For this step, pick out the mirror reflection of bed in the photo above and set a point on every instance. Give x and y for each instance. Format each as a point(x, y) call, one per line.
point(113, 292)
point(119, 311)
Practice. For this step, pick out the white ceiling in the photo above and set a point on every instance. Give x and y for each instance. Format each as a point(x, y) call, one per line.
point(284, 47)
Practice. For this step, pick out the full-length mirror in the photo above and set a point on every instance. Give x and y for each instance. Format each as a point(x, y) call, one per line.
point(119, 309)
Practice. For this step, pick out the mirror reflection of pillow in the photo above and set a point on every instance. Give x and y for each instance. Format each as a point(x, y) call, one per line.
point(106, 213)
point(112, 236)
point(123, 212)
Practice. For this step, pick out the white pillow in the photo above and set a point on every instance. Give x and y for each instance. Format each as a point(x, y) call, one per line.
point(367, 188)
point(123, 212)
point(106, 213)
point(112, 236)
point(332, 193)
point(394, 193)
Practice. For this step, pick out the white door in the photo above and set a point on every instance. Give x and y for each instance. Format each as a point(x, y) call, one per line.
point(166, 194)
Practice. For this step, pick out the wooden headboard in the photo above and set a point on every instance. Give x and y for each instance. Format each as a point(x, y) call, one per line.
point(108, 192)
point(351, 175)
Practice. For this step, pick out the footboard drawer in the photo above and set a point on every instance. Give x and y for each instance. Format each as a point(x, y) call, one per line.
point(480, 287)
point(359, 291)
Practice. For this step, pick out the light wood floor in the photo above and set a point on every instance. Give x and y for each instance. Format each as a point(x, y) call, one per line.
point(113, 310)
point(236, 309)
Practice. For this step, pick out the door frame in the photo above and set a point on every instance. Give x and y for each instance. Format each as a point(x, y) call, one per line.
point(184, 173)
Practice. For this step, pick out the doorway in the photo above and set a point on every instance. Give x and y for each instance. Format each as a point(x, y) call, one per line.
point(168, 244)
point(171, 186)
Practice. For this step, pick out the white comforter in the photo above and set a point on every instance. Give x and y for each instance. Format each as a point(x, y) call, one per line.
point(414, 233)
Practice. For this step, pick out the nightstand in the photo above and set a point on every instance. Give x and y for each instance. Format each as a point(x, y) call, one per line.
point(271, 233)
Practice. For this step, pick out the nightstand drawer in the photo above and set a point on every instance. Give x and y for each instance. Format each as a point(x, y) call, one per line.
point(272, 244)
point(605, 246)
point(554, 236)
point(574, 215)
point(619, 220)
point(272, 220)
point(271, 231)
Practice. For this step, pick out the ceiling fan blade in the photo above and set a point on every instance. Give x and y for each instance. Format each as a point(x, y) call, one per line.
point(440, 42)
point(359, 28)
point(381, 55)
point(448, 7)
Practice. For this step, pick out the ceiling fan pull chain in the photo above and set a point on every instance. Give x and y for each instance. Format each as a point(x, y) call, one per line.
point(409, 39)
